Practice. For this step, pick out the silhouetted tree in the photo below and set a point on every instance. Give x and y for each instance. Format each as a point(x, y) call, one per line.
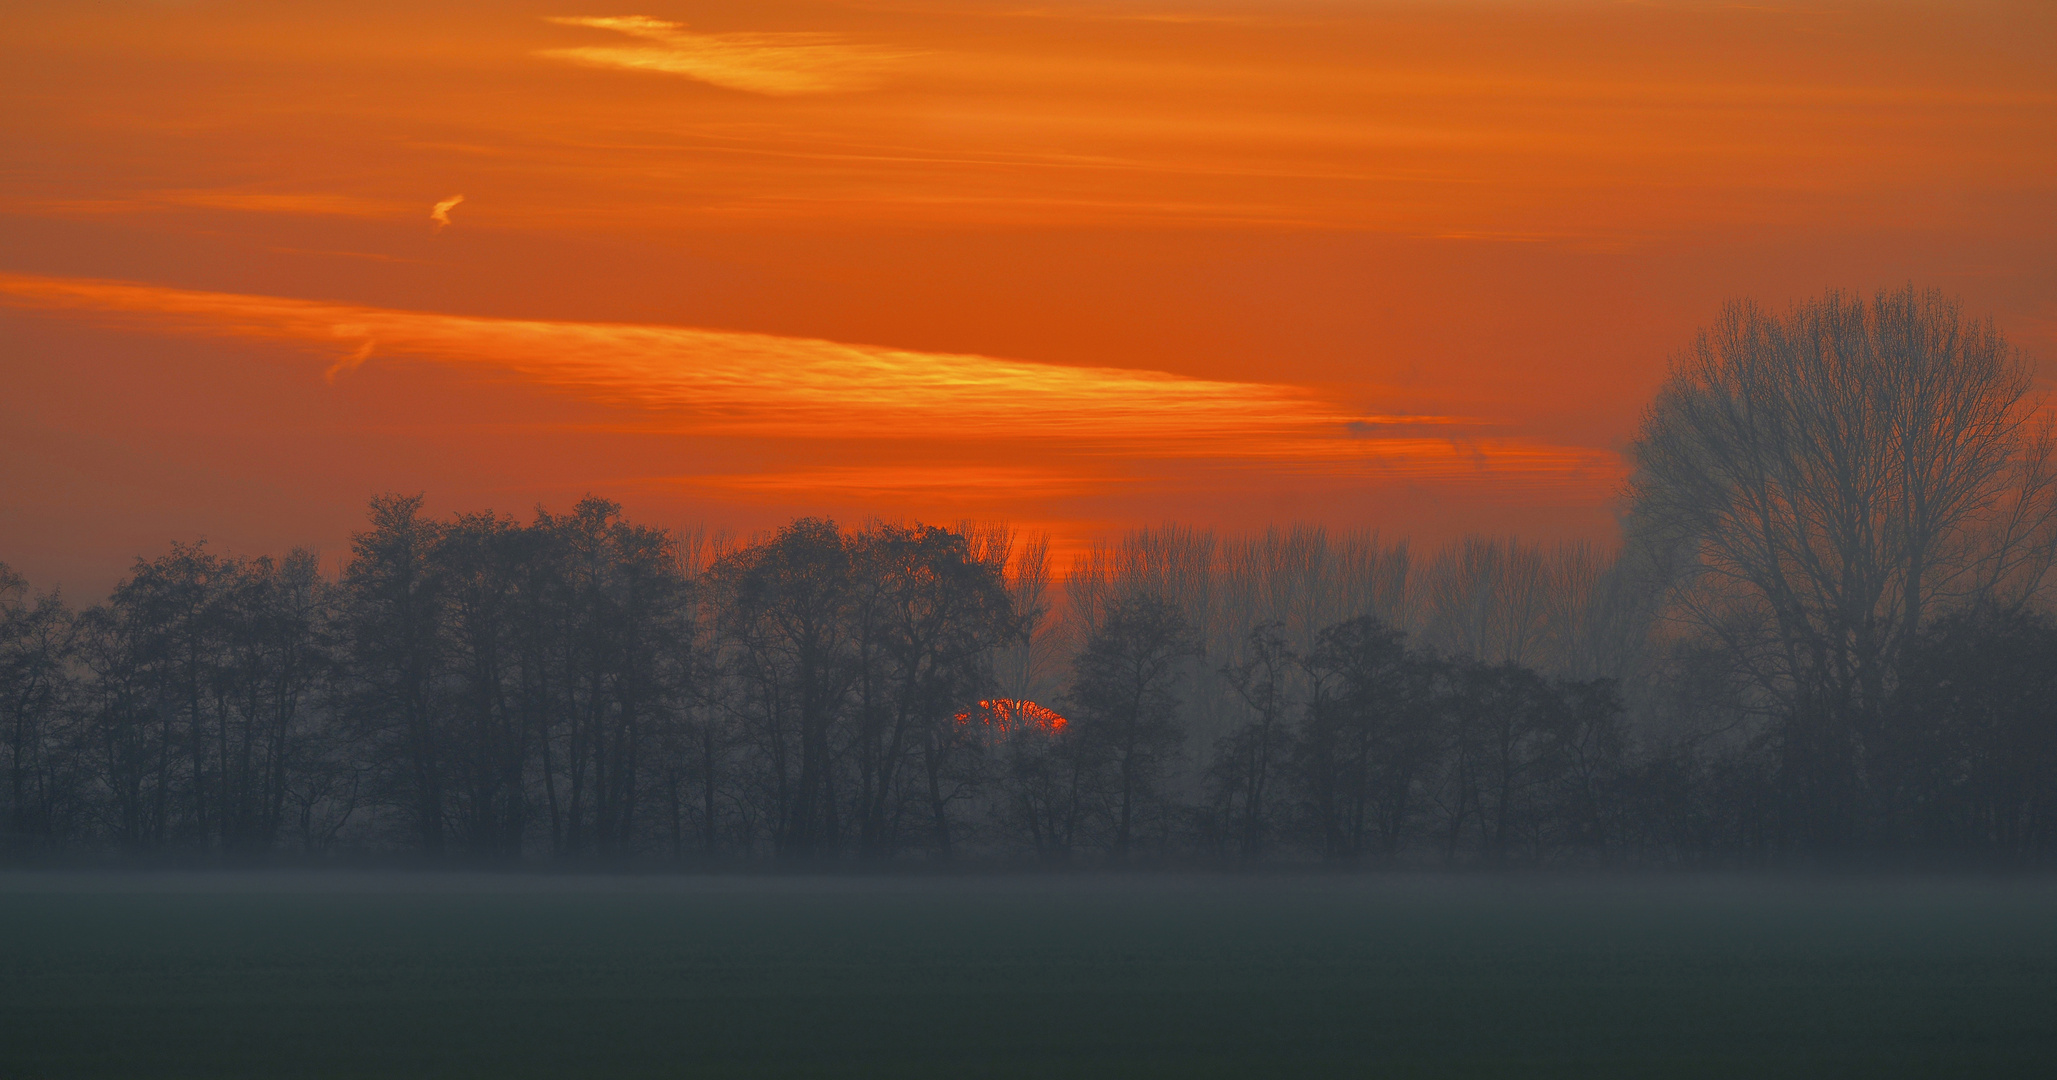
point(396, 653)
point(626, 632)
point(1969, 747)
point(1588, 762)
point(1123, 692)
point(1366, 736)
point(580, 686)
point(929, 617)
point(36, 643)
point(273, 664)
point(174, 603)
point(1246, 759)
point(484, 563)
point(789, 637)
point(1827, 480)
point(1054, 779)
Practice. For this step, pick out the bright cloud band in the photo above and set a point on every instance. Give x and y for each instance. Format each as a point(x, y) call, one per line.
point(733, 383)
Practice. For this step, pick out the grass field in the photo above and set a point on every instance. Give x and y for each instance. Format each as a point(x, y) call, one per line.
point(437, 975)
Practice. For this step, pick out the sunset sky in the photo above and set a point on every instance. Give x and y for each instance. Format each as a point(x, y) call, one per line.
point(1074, 266)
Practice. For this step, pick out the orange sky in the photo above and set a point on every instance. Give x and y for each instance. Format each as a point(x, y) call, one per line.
point(1076, 266)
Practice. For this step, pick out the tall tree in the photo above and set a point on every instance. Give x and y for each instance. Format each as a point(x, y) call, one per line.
point(1367, 735)
point(788, 630)
point(174, 604)
point(1246, 759)
point(1052, 779)
point(397, 652)
point(482, 559)
point(1826, 479)
point(272, 663)
point(36, 641)
point(1124, 693)
point(625, 635)
point(930, 612)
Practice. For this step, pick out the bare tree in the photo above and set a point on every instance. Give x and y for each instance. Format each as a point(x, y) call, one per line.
point(1123, 688)
point(1825, 480)
point(1366, 735)
point(929, 607)
point(790, 640)
point(393, 618)
point(1245, 760)
point(36, 637)
point(1030, 668)
point(1491, 599)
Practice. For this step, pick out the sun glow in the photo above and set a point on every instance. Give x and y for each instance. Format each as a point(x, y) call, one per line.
point(1011, 716)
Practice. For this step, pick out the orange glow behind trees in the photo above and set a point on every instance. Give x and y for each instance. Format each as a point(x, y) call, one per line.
point(1078, 266)
point(1008, 716)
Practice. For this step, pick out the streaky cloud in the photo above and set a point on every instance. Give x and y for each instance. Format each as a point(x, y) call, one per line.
point(775, 64)
point(739, 383)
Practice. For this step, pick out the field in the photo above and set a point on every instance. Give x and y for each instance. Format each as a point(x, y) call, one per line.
point(445, 975)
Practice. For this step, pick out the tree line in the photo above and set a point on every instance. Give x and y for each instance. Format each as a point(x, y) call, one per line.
point(1825, 634)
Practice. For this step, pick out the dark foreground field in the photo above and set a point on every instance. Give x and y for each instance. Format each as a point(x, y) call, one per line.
point(296, 976)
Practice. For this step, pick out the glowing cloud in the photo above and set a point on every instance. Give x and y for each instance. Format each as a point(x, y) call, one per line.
point(775, 64)
point(440, 213)
point(733, 383)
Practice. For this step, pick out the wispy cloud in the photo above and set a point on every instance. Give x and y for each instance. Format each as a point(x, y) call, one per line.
point(734, 383)
point(776, 64)
point(440, 213)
